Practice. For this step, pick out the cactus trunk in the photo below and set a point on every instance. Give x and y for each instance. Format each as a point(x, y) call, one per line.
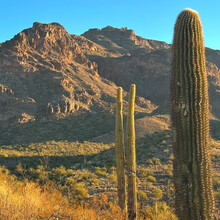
point(120, 154)
point(190, 120)
point(131, 157)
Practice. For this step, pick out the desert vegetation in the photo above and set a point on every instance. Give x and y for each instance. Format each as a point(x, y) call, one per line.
point(76, 183)
point(61, 162)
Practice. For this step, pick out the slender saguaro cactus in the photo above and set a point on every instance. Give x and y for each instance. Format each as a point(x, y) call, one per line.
point(120, 154)
point(190, 120)
point(131, 157)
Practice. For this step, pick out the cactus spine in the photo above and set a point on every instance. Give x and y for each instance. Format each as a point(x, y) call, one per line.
point(190, 120)
point(131, 157)
point(120, 154)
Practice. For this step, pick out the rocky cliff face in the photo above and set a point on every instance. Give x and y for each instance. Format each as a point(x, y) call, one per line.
point(44, 46)
point(47, 74)
point(44, 71)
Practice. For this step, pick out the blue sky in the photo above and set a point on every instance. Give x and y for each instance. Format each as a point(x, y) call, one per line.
point(151, 19)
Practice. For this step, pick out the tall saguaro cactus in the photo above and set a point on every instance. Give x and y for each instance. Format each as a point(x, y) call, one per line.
point(131, 157)
point(120, 154)
point(190, 120)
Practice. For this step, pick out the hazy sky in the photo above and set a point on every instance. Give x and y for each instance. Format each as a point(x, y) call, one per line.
point(151, 19)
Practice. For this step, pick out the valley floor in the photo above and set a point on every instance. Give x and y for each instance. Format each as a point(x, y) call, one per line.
point(73, 180)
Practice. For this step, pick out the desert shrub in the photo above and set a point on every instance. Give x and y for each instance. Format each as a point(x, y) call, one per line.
point(163, 142)
point(112, 170)
point(100, 171)
point(79, 191)
point(86, 176)
point(149, 184)
point(169, 162)
point(156, 161)
point(171, 157)
point(141, 195)
point(144, 172)
point(151, 179)
point(149, 162)
point(166, 151)
point(159, 211)
point(105, 208)
point(168, 173)
point(27, 200)
point(167, 170)
point(157, 193)
point(112, 177)
point(70, 181)
point(39, 173)
point(58, 173)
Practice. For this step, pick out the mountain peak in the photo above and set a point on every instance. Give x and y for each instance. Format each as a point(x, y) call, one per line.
point(28, 49)
point(37, 25)
point(45, 28)
point(110, 31)
point(122, 40)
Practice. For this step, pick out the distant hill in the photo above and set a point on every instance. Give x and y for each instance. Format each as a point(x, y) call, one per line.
point(54, 85)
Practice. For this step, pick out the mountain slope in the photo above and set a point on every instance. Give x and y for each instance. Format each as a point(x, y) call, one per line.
point(45, 79)
point(54, 85)
point(147, 64)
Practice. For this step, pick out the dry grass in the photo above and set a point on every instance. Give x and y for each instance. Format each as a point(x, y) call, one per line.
point(27, 200)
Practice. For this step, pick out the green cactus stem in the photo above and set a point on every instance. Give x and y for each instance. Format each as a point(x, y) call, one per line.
point(120, 154)
point(131, 157)
point(190, 121)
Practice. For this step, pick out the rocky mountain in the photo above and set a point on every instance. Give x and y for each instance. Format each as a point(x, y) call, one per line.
point(54, 85)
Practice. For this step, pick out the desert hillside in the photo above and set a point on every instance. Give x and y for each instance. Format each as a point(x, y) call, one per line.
point(56, 85)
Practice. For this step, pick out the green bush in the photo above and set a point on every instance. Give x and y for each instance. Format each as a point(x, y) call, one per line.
point(166, 151)
point(151, 179)
point(86, 176)
point(144, 172)
point(157, 193)
point(100, 171)
point(156, 161)
point(112, 177)
point(141, 195)
point(159, 211)
point(169, 162)
point(149, 162)
point(79, 191)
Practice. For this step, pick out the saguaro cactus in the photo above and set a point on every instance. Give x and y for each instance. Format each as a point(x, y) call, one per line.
point(120, 154)
point(190, 120)
point(131, 157)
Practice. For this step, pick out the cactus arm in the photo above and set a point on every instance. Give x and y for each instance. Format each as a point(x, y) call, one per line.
point(131, 157)
point(120, 154)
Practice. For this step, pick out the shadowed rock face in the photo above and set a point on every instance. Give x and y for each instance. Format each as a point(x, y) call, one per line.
point(147, 64)
point(46, 72)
